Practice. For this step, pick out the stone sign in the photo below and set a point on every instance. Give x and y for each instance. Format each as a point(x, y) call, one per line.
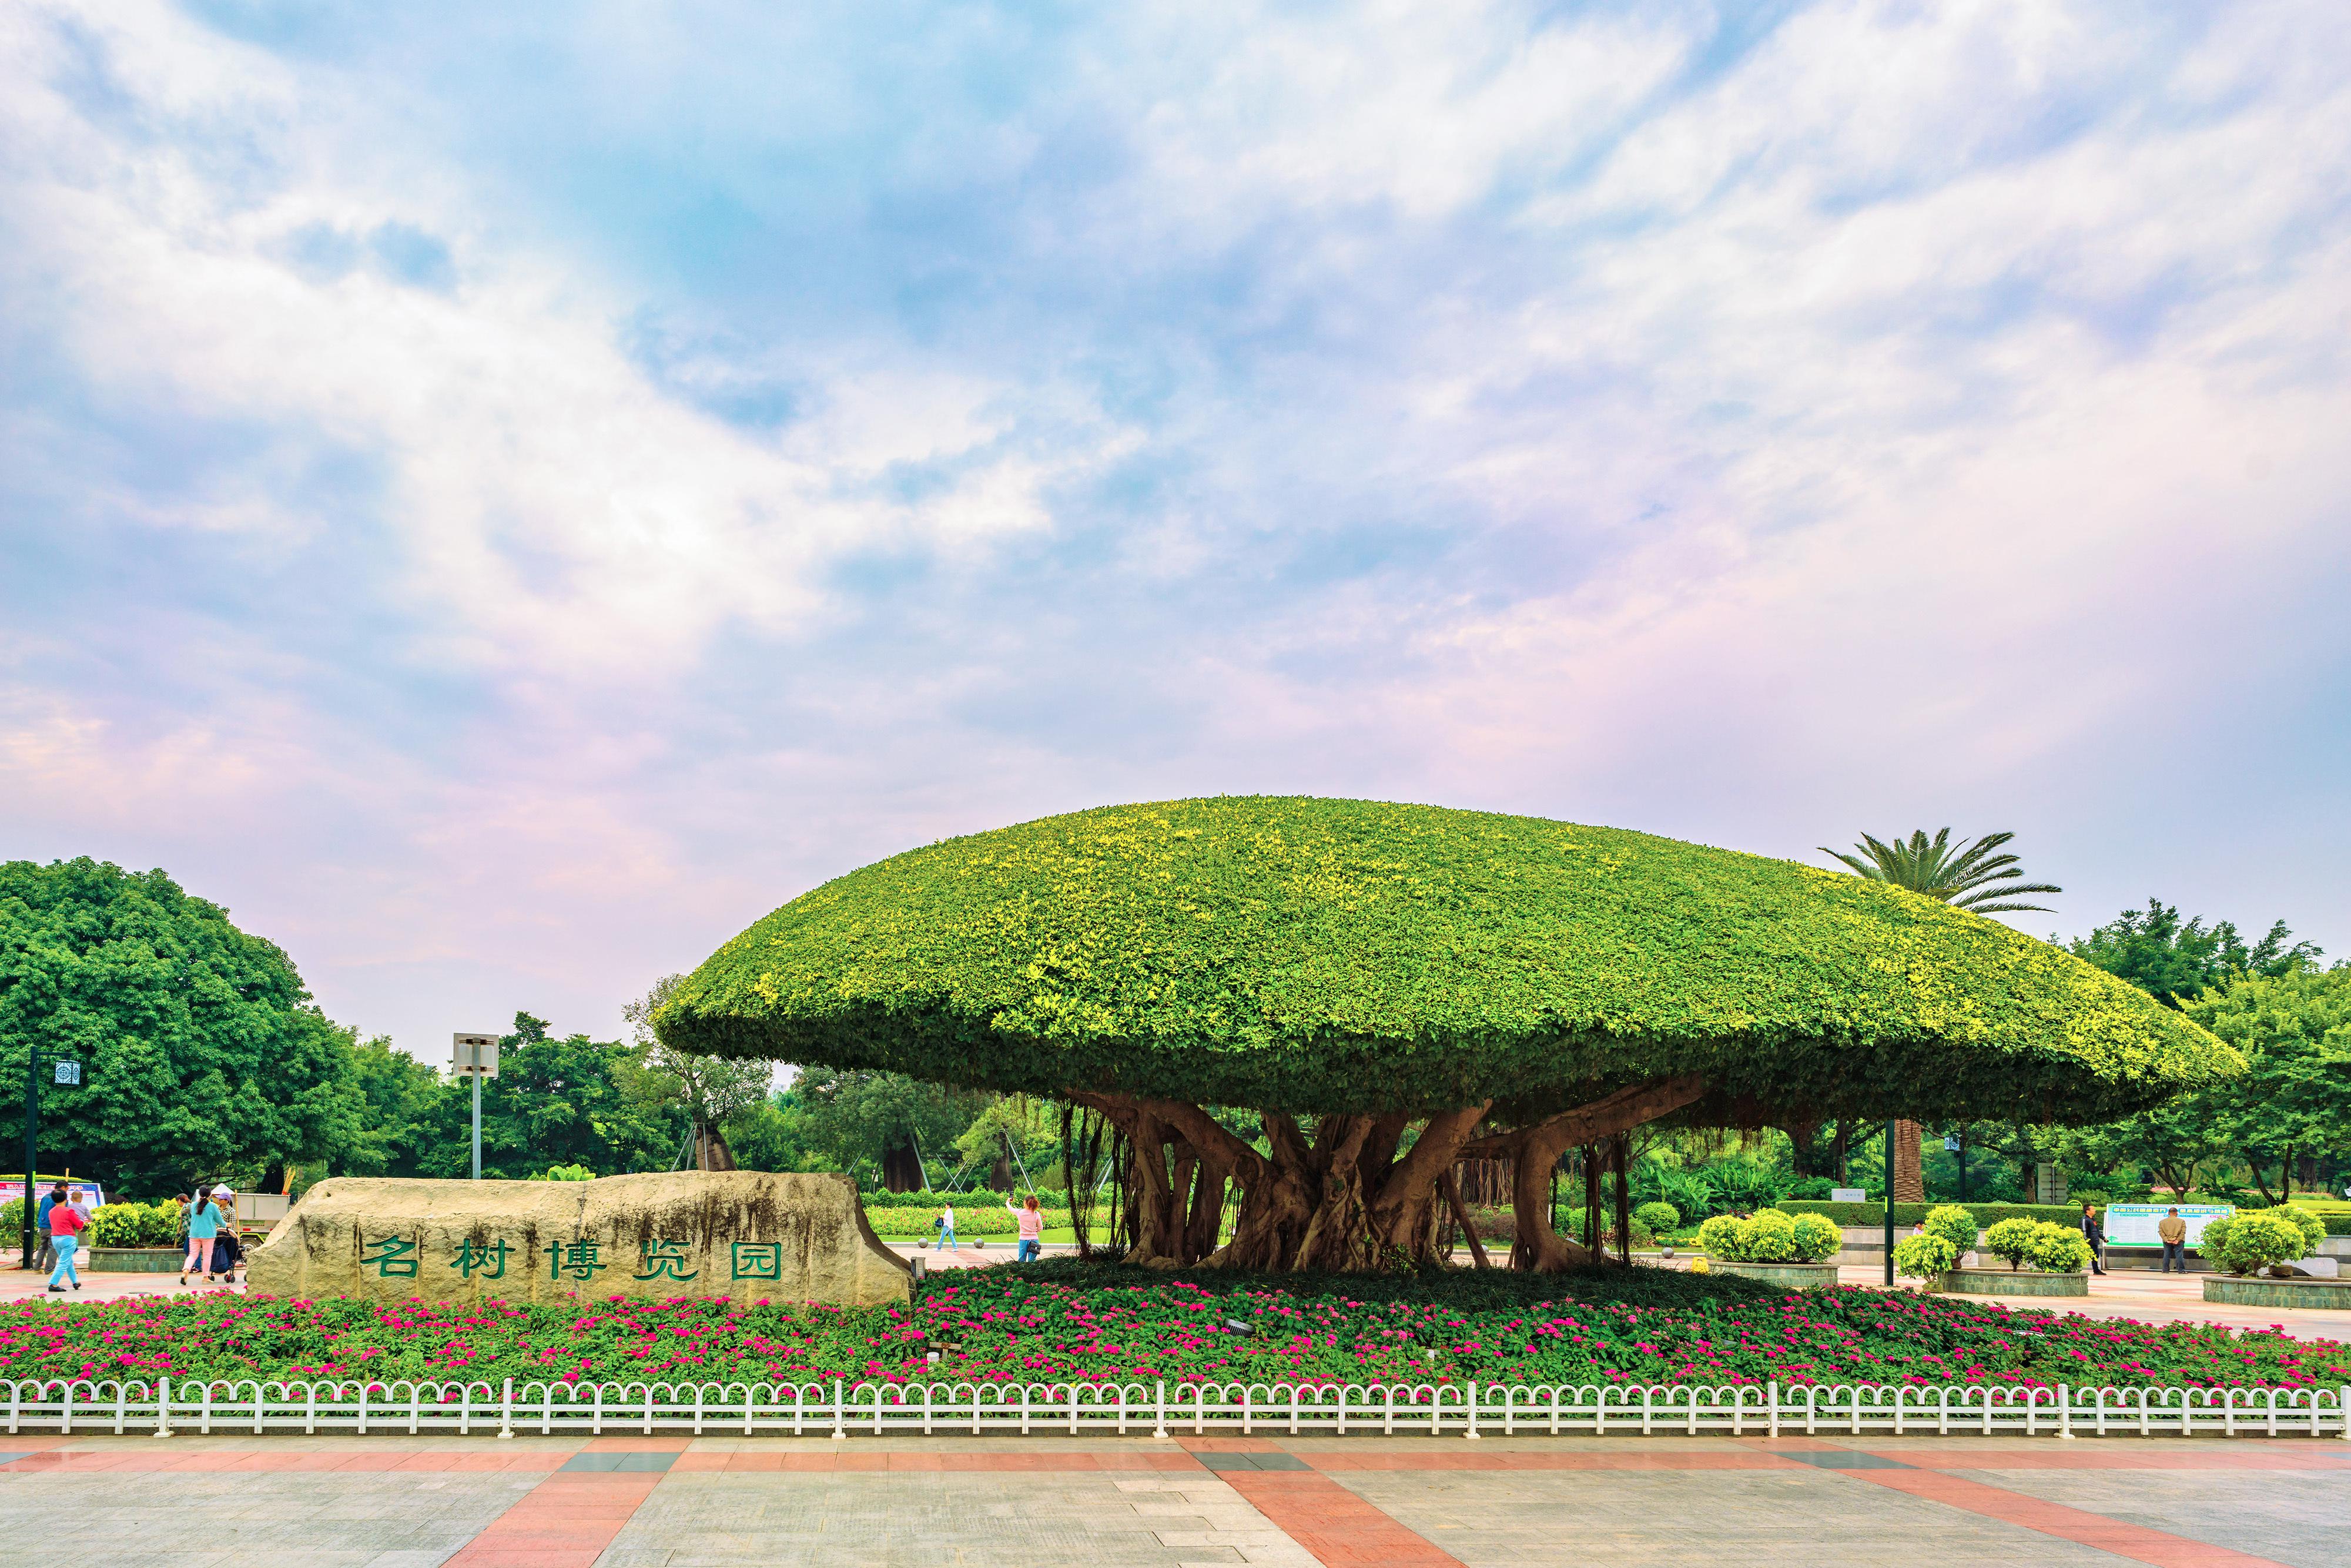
point(743, 1235)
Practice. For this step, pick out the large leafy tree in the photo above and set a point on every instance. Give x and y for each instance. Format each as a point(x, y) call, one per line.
point(1975, 875)
point(1391, 988)
point(2177, 960)
point(712, 1090)
point(2295, 1100)
point(2180, 963)
point(892, 1121)
point(405, 1110)
point(557, 1100)
point(203, 1055)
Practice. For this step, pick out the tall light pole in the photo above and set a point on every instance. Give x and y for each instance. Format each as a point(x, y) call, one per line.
point(476, 1056)
point(1889, 1206)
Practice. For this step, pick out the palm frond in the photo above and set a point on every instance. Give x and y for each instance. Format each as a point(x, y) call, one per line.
point(1964, 877)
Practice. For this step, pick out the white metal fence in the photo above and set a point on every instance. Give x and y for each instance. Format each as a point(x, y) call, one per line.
point(838, 1409)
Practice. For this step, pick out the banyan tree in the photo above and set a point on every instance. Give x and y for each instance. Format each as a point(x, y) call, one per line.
point(1392, 989)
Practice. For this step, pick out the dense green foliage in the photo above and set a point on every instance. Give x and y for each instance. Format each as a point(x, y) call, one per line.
point(2177, 960)
point(1908, 1214)
point(1347, 955)
point(1770, 1235)
point(2038, 1242)
point(2255, 1239)
point(1063, 1322)
point(1953, 1224)
point(200, 1048)
point(1924, 1257)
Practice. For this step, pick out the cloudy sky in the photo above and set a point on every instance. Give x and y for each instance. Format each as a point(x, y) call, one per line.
point(501, 497)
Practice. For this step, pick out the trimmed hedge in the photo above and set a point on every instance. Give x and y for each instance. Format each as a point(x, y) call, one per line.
point(1908, 1214)
point(1356, 955)
point(973, 1221)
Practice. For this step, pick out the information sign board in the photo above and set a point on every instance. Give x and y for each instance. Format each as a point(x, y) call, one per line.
point(2133, 1224)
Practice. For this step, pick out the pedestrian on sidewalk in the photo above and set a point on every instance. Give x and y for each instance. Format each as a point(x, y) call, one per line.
point(203, 1224)
point(228, 1247)
point(2094, 1234)
point(65, 1225)
point(946, 1223)
point(2173, 1233)
point(47, 1256)
point(1032, 1228)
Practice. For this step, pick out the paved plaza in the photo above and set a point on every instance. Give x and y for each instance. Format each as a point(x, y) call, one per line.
point(657, 1503)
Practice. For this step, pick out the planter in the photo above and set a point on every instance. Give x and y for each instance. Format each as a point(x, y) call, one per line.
point(1795, 1275)
point(2012, 1282)
point(132, 1259)
point(2248, 1291)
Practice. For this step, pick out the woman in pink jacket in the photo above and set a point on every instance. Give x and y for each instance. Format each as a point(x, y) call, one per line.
point(1032, 1228)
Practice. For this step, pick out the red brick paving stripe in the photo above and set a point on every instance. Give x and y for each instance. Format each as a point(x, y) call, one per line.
point(2134, 1541)
point(565, 1521)
point(1341, 1530)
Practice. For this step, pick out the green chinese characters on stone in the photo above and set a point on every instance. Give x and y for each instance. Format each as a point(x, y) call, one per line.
point(581, 1260)
point(758, 1260)
point(394, 1258)
point(664, 1260)
point(490, 1261)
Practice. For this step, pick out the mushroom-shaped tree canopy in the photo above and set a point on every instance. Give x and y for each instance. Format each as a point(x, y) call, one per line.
point(1521, 984)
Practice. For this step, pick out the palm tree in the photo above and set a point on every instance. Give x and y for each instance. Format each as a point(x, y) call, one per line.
point(1970, 877)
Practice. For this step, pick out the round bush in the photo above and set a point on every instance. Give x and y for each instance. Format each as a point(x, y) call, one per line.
point(2017, 1240)
point(2255, 1241)
point(117, 1224)
point(1662, 1218)
point(1926, 1256)
point(2314, 1229)
point(1817, 1238)
point(2060, 1250)
point(1771, 1236)
point(159, 1225)
point(1954, 1225)
point(1724, 1236)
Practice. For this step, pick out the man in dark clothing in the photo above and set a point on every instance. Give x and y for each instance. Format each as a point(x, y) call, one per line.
point(2094, 1234)
point(2173, 1230)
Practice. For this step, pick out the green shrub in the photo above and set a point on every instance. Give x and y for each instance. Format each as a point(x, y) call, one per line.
point(1817, 1238)
point(1926, 1256)
point(2216, 1238)
point(1724, 1236)
point(1873, 1215)
point(118, 1225)
point(2313, 1229)
point(159, 1226)
point(2254, 1240)
point(1770, 1235)
point(2016, 1239)
point(2059, 1251)
point(11, 1221)
point(1952, 1223)
point(564, 1173)
point(1663, 1218)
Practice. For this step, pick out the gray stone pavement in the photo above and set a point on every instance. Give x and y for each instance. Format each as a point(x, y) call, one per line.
point(1524, 1503)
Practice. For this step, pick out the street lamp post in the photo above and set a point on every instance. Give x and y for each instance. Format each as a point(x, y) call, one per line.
point(68, 1072)
point(476, 1057)
point(1889, 1206)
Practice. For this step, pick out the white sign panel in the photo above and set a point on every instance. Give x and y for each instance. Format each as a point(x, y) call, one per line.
point(2133, 1224)
point(472, 1054)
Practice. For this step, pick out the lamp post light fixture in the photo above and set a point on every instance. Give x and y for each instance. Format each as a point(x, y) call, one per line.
point(475, 1056)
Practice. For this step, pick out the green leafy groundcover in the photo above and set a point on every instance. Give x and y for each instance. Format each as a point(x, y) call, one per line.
point(1065, 1322)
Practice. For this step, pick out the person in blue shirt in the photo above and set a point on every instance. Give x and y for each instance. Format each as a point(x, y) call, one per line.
point(47, 1256)
point(203, 1224)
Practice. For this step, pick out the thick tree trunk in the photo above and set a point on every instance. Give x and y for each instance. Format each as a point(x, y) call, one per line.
point(1908, 1178)
point(902, 1168)
point(1346, 1199)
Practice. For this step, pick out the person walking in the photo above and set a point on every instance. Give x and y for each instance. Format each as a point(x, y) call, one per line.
point(46, 1256)
point(203, 1224)
point(1032, 1228)
point(2094, 1234)
point(228, 1247)
point(947, 1229)
point(66, 1224)
point(2173, 1230)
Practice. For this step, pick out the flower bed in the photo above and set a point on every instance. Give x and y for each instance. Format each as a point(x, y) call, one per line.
point(1072, 1323)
